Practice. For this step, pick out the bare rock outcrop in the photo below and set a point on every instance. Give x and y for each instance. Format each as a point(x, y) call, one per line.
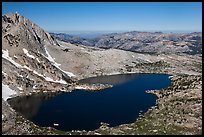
point(26, 64)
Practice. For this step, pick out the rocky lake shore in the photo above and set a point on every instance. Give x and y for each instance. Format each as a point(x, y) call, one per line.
point(178, 111)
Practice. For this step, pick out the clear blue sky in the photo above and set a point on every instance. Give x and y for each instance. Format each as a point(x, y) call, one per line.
point(111, 16)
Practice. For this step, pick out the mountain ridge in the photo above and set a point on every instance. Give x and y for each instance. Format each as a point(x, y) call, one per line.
point(143, 42)
point(24, 48)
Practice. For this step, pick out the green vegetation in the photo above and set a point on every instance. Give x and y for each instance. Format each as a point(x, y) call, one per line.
point(151, 67)
point(198, 65)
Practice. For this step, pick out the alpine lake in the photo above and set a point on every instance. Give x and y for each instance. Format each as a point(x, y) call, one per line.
point(87, 110)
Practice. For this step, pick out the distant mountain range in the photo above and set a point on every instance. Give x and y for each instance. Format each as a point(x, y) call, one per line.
point(144, 42)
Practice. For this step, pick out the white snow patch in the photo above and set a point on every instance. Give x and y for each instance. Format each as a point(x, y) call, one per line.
point(7, 92)
point(58, 81)
point(6, 56)
point(78, 87)
point(26, 52)
point(131, 72)
point(21, 76)
point(38, 60)
point(50, 58)
point(148, 60)
point(2, 116)
point(35, 72)
point(114, 73)
point(27, 68)
point(70, 74)
point(171, 76)
point(57, 64)
point(97, 133)
point(34, 87)
point(55, 124)
point(50, 79)
point(4, 73)
point(20, 88)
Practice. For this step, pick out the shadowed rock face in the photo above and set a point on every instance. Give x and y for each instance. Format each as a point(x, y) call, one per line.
point(147, 42)
point(26, 64)
point(29, 105)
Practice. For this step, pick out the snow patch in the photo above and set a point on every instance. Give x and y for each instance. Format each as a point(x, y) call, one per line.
point(68, 73)
point(20, 76)
point(38, 60)
point(6, 56)
point(50, 79)
point(50, 58)
point(131, 72)
point(78, 87)
point(7, 92)
point(26, 52)
point(58, 81)
point(57, 64)
point(97, 133)
point(34, 87)
point(27, 68)
point(4, 73)
point(20, 88)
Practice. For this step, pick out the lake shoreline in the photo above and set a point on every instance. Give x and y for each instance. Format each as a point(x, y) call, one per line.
point(127, 91)
point(111, 130)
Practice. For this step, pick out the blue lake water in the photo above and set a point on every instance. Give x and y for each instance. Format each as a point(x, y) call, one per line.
point(85, 110)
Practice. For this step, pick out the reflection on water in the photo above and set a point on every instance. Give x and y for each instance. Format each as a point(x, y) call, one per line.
point(112, 79)
point(82, 110)
point(29, 105)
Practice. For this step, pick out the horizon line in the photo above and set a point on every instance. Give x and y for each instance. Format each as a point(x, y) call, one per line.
point(90, 31)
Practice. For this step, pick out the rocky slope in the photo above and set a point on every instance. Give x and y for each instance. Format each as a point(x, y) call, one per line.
point(26, 64)
point(149, 42)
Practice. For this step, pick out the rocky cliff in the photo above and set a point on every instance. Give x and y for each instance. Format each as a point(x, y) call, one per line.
point(26, 64)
